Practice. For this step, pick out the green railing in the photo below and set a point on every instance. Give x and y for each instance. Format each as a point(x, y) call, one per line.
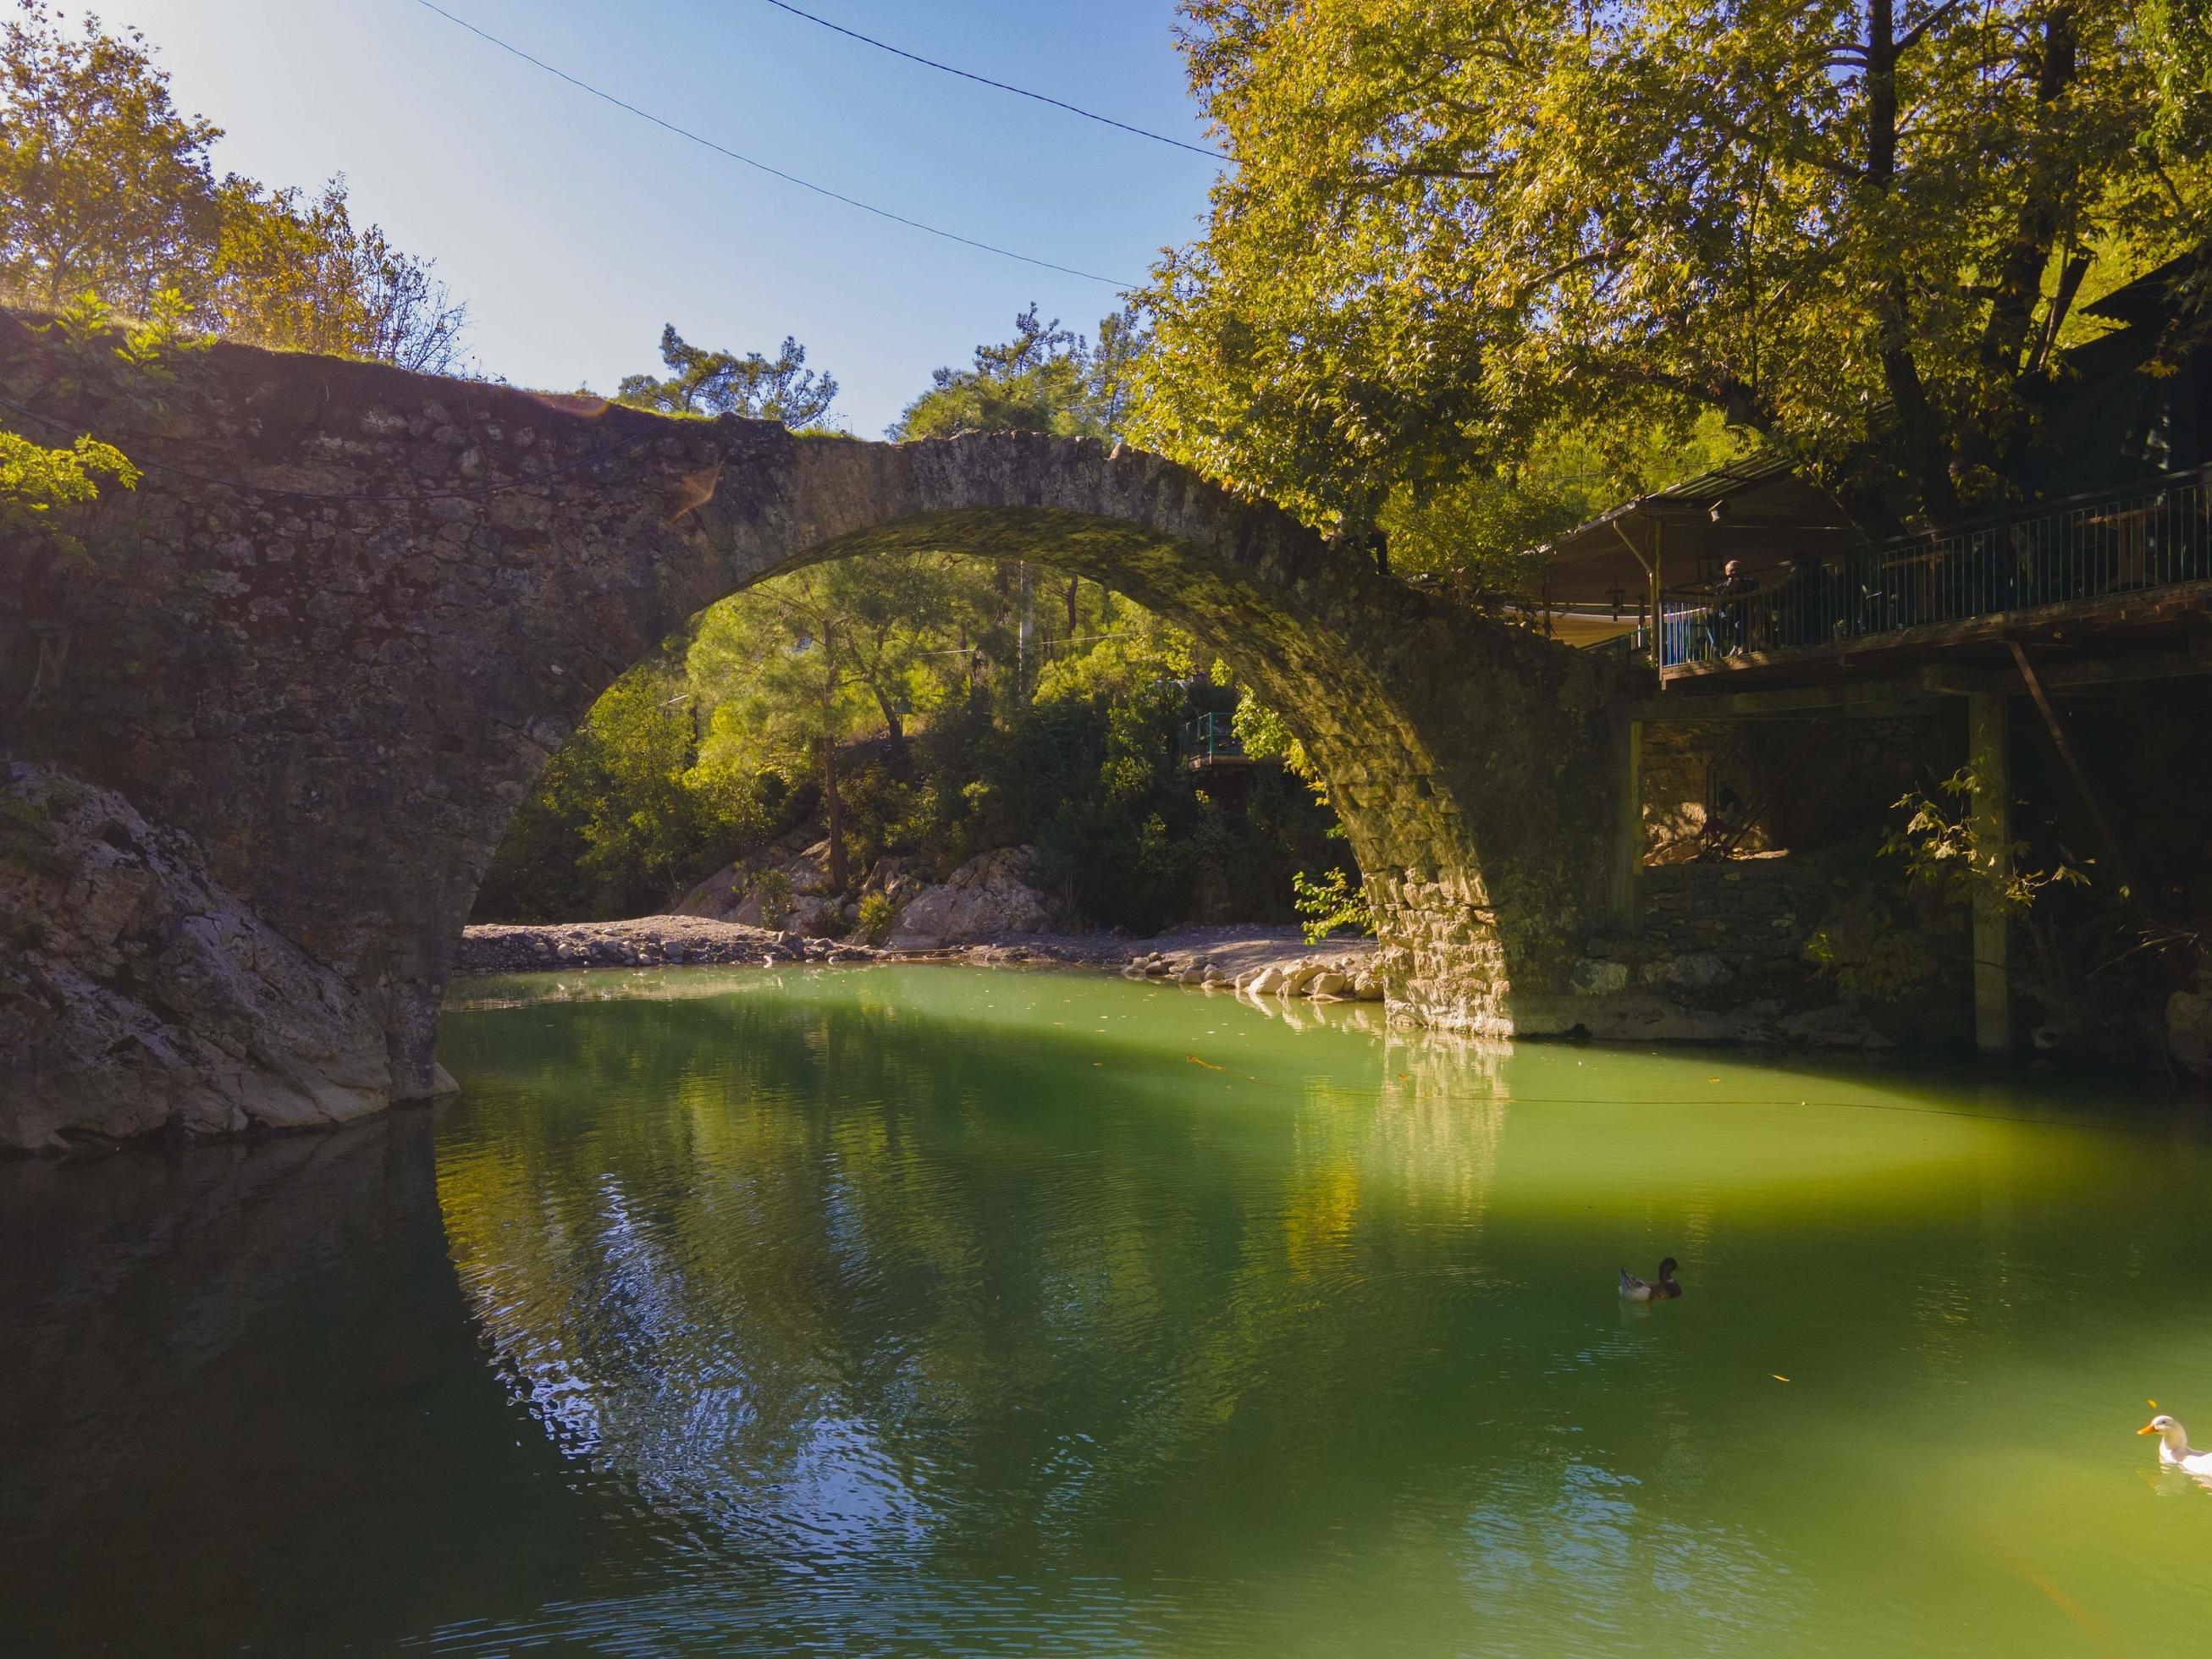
point(2135, 540)
point(1210, 738)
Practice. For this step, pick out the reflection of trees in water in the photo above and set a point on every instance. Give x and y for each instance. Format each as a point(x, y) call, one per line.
point(1557, 1551)
point(895, 1264)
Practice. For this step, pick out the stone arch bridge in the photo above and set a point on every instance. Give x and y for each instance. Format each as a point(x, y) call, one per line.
point(348, 613)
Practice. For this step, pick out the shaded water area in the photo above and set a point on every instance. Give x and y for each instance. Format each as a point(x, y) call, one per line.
point(925, 1310)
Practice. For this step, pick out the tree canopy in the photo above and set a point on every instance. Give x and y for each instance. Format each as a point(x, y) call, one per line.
point(1045, 379)
point(107, 189)
point(1860, 228)
point(702, 382)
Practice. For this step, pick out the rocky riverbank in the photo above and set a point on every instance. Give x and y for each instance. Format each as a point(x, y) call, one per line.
point(646, 942)
point(1223, 958)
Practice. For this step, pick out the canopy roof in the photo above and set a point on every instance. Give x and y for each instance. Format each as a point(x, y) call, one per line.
point(1757, 510)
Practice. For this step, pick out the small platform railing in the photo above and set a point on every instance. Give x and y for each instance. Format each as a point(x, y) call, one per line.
point(2135, 540)
point(1212, 740)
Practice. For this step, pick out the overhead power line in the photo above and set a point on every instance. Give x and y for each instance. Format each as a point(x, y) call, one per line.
point(985, 80)
point(778, 173)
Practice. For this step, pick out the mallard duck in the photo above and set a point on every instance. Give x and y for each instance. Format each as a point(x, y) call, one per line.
point(2173, 1445)
point(1637, 1289)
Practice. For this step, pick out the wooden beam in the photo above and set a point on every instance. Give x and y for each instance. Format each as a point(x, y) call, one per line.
point(1954, 680)
point(1947, 679)
point(1892, 696)
point(2112, 848)
point(1989, 825)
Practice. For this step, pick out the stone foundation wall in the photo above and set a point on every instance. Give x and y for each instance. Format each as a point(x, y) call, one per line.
point(1720, 955)
point(1804, 781)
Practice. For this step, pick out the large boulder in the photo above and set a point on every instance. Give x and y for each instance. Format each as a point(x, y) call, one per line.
point(986, 897)
point(137, 994)
point(2189, 1026)
point(768, 890)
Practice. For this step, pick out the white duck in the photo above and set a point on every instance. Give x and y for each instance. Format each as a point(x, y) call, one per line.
point(2173, 1445)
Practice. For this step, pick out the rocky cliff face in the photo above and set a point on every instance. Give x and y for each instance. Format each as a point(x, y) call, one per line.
point(137, 994)
point(988, 897)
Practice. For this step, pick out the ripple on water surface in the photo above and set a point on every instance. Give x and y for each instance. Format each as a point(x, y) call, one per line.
point(934, 1310)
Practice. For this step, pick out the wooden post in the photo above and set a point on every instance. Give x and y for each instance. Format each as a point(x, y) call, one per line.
point(1988, 739)
point(1658, 599)
point(1628, 829)
point(2105, 833)
point(1652, 589)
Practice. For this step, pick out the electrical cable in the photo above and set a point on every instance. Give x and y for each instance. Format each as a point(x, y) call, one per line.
point(985, 80)
point(777, 172)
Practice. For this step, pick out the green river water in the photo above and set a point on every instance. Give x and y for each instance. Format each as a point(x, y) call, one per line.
point(929, 1310)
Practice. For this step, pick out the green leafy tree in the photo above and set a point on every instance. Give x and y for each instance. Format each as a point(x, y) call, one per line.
point(39, 485)
point(795, 668)
point(1883, 943)
point(49, 574)
point(1331, 904)
point(43, 489)
point(614, 827)
point(106, 189)
point(1045, 379)
point(2179, 34)
point(296, 272)
point(702, 382)
point(1480, 528)
point(104, 181)
point(1858, 229)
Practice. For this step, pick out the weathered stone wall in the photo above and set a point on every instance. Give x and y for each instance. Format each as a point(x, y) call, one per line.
point(350, 612)
point(1720, 957)
point(1804, 780)
point(1718, 951)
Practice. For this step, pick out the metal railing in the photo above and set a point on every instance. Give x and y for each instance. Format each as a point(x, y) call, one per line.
point(1632, 647)
point(1210, 738)
point(2135, 540)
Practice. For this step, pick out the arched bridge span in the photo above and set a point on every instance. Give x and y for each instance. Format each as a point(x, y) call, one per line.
point(348, 612)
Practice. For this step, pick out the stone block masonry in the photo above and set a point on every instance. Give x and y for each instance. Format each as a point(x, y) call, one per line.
point(349, 611)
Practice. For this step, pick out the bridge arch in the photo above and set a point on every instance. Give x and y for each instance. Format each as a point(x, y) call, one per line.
point(350, 612)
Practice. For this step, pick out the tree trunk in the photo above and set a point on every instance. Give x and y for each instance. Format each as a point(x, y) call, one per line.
point(1022, 638)
point(1927, 454)
point(2019, 273)
point(1073, 583)
point(894, 729)
point(2025, 258)
point(833, 811)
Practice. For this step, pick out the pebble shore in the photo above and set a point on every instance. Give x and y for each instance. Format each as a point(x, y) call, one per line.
point(1221, 957)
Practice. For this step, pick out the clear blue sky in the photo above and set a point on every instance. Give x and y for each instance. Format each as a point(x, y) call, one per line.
point(574, 231)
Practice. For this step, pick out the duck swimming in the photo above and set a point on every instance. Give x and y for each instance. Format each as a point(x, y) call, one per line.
point(2173, 1445)
point(1637, 1289)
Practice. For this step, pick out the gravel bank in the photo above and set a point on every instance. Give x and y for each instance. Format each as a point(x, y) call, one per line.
point(675, 941)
